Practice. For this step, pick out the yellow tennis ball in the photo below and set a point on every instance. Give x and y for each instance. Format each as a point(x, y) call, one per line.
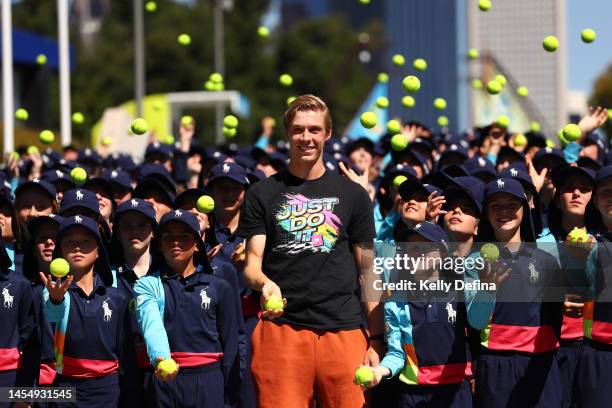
point(285, 80)
point(41, 59)
point(494, 87)
point(420, 64)
point(364, 375)
point(382, 102)
point(184, 39)
point(139, 126)
point(489, 252)
point(151, 6)
point(522, 91)
point(187, 120)
point(383, 77)
point(411, 84)
point(229, 132)
point(398, 180)
point(230, 121)
point(473, 53)
point(290, 100)
point(59, 267)
point(78, 118)
point(439, 103)
point(571, 132)
point(216, 77)
point(551, 43)
point(46, 137)
point(274, 303)
point(399, 142)
point(442, 121)
point(205, 204)
point(408, 101)
point(263, 31)
point(394, 126)
point(535, 126)
point(22, 114)
point(106, 141)
point(32, 150)
point(368, 120)
point(78, 175)
point(398, 59)
point(166, 367)
point(588, 35)
point(578, 235)
point(477, 84)
point(484, 5)
point(503, 121)
point(520, 140)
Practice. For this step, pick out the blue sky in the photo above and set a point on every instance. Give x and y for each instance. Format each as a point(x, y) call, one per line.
point(586, 61)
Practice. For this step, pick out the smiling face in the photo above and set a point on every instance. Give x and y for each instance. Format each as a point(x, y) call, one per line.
point(361, 158)
point(32, 203)
point(461, 218)
point(135, 232)
point(413, 210)
point(574, 195)
point(178, 244)
point(307, 136)
point(44, 243)
point(80, 248)
point(505, 213)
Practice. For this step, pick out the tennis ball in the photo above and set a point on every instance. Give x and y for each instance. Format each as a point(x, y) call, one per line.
point(187, 120)
point(168, 139)
point(399, 142)
point(274, 303)
point(484, 5)
point(501, 79)
point(578, 235)
point(184, 39)
point(398, 180)
point(364, 1)
point(151, 6)
point(439, 103)
point(494, 87)
point(218, 86)
point(420, 64)
point(503, 121)
point(411, 84)
point(59, 267)
point(383, 77)
point(290, 100)
point(230, 121)
point(562, 139)
point(263, 32)
point(550, 143)
point(22, 114)
point(609, 114)
point(520, 140)
point(139, 126)
point(522, 91)
point(489, 252)
point(408, 101)
point(32, 150)
point(15, 156)
point(158, 105)
point(209, 85)
point(551, 43)
point(477, 84)
point(442, 121)
point(364, 375)
point(78, 175)
point(229, 132)
point(285, 80)
point(106, 141)
point(78, 118)
point(368, 120)
point(571, 132)
point(382, 102)
point(394, 126)
point(398, 59)
point(166, 367)
point(588, 35)
point(41, 59)
point(535, 126)
point(473, 53)
point(216, 77)
point(205, 204)
point(46, 137)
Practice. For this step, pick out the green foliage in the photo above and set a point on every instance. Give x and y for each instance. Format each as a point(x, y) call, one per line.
point(602, 95)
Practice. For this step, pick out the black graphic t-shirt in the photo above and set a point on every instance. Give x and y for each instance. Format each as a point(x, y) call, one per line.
point(310, 227)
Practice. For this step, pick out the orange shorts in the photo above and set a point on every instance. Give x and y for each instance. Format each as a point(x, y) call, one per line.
point(290, 362)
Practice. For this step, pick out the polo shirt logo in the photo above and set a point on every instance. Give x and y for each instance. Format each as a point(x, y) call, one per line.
point(533, 274)
point(108, 313)
point(500, 183)
point(8, 298)
point(452, 313)
point(59, 174)
point(226, 168)
point(205, 304)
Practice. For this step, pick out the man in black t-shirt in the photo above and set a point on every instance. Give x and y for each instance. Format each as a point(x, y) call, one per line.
point(306, 227)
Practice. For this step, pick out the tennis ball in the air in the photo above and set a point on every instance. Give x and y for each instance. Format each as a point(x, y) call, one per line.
point(22, 114)
point(588, 35)
point(229, 132)
point(59, 267)
point(484, 5)
point(78, 175)
point(184, 39)
point(168, 139)
point(535, 126)
point(263, 31)
point(501, 79)
point(382, 102)
point(32, 150)
point(106, 141)
point(399, 142)
point(230, 121)
point(46, 137)
point(364, 375)
point(562, 138)
point(139, 126)
point(218, 86)
point(609, 114)
point(477, 84)
point(166, 367)
point(364, 1)
point(473, 53)
point(41, 59)
point(383, 77)
point(216, 77)
point(520, 140)
point(209, 85)
point(522, 91)
point(408, 101)
point(550, 143)
point(489, 252)
point(571, 132)
point(411, 84)
point(285, 80)
point(578, 235)
point(398, 59)
point(205, 204)
point(494, 87)
point(78, 118)
point(290, 100)
point(187, 120)
point(439, 103)
point(420, 64)
point(551, 43)
point(398, 180)
point(15, 156)
point(394, 126)
point(151, 6)
point(274, 303)
point(503, 121)
point(368, 120)
point(442, 121)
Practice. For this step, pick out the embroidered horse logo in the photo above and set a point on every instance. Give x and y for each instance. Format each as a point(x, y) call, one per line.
point(513, 172)
point(134, 203)
point(78, 219)
point(481, 162)
point(226, 168)
point(8, 298)
point(59, 174)
point(452, 313)
point(108, 313)
point(114, 174)
point(178, 213)
point(533, 274)
point(500, 183)
point(79, 195)
point(205, 304)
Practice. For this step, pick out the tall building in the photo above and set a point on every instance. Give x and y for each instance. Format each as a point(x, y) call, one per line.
point(512, 33)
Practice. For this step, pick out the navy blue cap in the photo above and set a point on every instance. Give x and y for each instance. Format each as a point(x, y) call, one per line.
point(455, 148)
point(135, 204)
point(37, 222)
point(278, 160)
point(104, 184)
point(184, 217)
point(159, 173)
point(81, 198)
point(212, 154)
point(245, 161)
point(187, 196)
point(58, 176)
point(411, 185)
point(589, 163)
point(562, 174)
point(505, 185)
point(50, 158)
point(431, 232)
point(44, 186)
point(535, 139)
point(476, 165)
point(150, 184)
point(118, 177)
point(517, 171)
point(399, 169)
point(126, 163)
point(549, 153)
point(67, 166)
point(508, 154)
point(159, 148)
point(88, 155)
point(233, 171)
point(364, 142)
point(603, 174)
point(258, 175)
point(334, 145)
point(468, 187)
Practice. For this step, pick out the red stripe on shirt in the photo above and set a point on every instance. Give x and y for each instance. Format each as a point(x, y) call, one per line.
point(46, 373)
point(445, 373)
point(602, 332)
point(9, 359)
point(572, 328)
point(537, 339)
point(85, 368)
point(185, 359)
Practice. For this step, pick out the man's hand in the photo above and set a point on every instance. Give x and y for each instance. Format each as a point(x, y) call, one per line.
point(350, 173)
point(595, 118)
point(379, 373)
point(268, 290)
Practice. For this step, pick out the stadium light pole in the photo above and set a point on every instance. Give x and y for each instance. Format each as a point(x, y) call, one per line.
point(139, 56)
point(7, 77)
point(64, 70)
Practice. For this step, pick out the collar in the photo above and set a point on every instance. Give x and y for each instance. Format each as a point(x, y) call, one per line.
point(222, 228)
point(127, 273)
point(98, 285)
point(524, 250)
point(199, 275)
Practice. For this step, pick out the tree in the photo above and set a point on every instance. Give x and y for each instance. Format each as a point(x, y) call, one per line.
point(602, 95)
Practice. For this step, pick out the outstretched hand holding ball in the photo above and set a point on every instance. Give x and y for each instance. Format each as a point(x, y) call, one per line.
point(272, 300)
point(166, 369)
point(59, 267)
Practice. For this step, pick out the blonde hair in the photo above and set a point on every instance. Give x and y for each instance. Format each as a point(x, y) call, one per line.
point(307, 103)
